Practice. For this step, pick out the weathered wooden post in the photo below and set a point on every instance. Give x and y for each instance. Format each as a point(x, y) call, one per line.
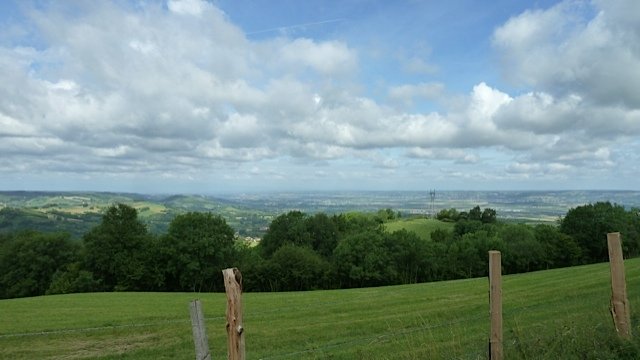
point(495, 305)
point(200, 338)
point(619, 302)
point(235, 330)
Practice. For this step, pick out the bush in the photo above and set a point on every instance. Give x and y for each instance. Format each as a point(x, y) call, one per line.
point(296, 268)
point(72, 279)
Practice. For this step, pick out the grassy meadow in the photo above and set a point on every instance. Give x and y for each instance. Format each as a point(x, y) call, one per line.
point(421, 226)
point(562, 313)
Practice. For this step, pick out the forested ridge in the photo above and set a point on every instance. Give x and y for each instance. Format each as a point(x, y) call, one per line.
point(300, 251)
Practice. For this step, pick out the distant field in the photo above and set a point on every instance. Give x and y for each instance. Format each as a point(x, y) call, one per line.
point(77, 213)
point(544, 313)
point(250, 214)
point(421, 226)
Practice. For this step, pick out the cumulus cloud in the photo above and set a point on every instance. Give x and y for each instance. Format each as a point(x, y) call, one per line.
point(564, 51)
point(328, 57)
point(114, 87)
point(187, 7)
point(540, 113)
point(583, 61)
point(241, 131)
point(10, 127)
point(459, 156)
point(533, 170)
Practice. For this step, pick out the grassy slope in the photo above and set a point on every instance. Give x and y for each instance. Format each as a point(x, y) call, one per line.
point(421, 226)
point(77, 213)
point(543, 312)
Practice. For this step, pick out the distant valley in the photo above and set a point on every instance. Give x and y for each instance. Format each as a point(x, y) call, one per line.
point(250, 214)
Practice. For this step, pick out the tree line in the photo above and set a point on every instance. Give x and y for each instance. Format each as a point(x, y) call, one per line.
point(300, 251)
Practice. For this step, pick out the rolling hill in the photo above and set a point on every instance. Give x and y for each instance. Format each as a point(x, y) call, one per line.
point(77, 212)
point(554, 314)
point(421, 226)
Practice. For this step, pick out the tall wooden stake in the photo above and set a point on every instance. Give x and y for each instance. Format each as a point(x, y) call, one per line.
point(200, 339)
point(235, 330)
point(495, 305)
point(619, 302)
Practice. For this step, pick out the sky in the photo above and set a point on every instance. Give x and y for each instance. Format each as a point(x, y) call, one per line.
point(228, 96)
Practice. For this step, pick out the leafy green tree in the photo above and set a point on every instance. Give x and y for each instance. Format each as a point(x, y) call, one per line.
point(357, 222)
point(411, 256)
point(197, 247)
point(362, 259)
point(589, 224)
point(443, 236)
point(488, 216)
point(324, 233)
point(116, 250)
point(296, 268)
point(251, 263)
point(72, 279)
point(289, 228)
point(449, 215)
point(385, 215)
point(560, 249)
point(631, 232)
point(468, 256)
point(263, 275)
point(475, 214)
point(30, 259)
point(464, 226)
point(523, 252)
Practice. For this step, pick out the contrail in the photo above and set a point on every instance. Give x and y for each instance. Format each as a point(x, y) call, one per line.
point(296, 26)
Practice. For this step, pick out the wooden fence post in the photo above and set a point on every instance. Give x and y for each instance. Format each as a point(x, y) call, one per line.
point(200, 339)
point(619, 302)
point(495, 305)
point(235, 330)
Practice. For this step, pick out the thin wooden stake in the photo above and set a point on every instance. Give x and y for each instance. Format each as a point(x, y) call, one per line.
point(619, 302)
point(235, 330)
point(495, 305)
point(200, 339)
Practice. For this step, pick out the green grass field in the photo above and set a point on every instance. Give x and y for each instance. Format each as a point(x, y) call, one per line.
point(421, 226)
point(554, 314)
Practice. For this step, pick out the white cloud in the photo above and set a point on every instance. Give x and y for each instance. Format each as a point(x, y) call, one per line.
point(540, 113)
point(534, 170)
point(187, 7)
point(459, 156)
point(111, 152)
point(10, 127)
point(562, 51)
point(328, 57)
point(124, 88)
point(144, 47)
point(523, 168)
point(241, 131)
point(485, 101)
point(583, 61)
point(33, 146)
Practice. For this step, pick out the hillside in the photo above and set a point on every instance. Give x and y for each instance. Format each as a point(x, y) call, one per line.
point(250, 214)
point(421, 226)
point(562, 313)
point(77, 212)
